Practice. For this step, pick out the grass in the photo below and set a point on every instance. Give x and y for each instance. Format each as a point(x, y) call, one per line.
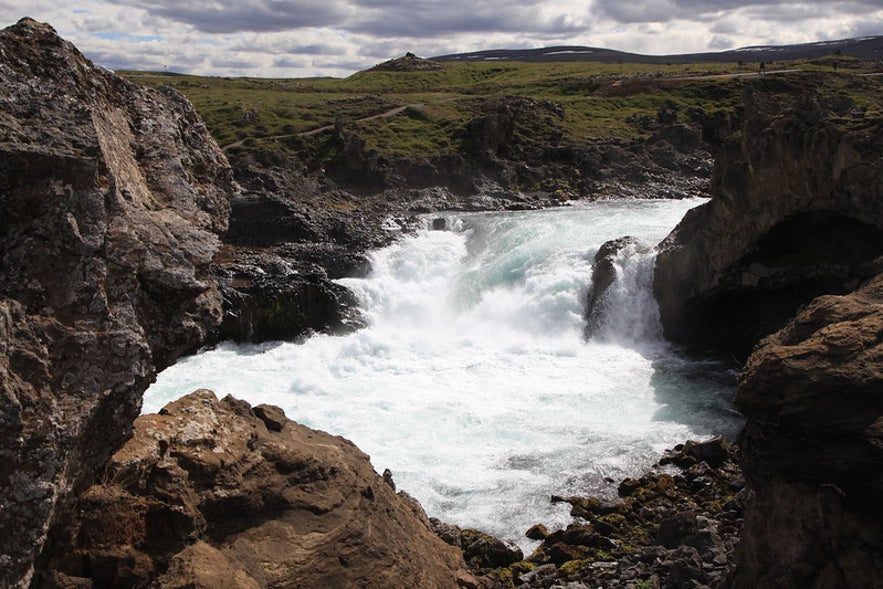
point(599, 100)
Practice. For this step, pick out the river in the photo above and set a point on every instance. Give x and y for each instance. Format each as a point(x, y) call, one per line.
point(473, 383)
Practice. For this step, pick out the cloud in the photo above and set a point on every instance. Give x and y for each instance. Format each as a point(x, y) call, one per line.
point(231, 16)
point(283, 38)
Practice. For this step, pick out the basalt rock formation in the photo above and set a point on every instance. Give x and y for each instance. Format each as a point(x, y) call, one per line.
point(111, 199)
point(217, 494)
point(795, 215)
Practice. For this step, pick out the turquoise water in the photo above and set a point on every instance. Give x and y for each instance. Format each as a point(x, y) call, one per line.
point(473, 383)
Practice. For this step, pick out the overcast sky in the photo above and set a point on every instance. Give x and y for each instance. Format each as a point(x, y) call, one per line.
point(296, 38)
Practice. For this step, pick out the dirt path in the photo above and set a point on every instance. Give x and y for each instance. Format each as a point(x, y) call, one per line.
point(385, 114)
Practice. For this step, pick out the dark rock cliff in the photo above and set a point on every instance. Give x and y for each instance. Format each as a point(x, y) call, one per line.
point(111, 199)
point(795, 214)
point(812, 450)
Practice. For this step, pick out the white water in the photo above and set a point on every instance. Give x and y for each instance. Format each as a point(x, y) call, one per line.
point(473, 383)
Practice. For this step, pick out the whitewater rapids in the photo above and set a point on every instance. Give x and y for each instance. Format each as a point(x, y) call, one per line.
point(473, 383)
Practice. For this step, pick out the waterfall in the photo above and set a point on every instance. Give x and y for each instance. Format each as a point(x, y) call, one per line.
point(627, 313)
point(473, 383)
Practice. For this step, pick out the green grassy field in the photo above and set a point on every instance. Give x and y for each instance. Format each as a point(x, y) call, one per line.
point(598, 100)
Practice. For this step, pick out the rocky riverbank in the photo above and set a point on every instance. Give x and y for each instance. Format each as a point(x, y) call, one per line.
point(676, 526)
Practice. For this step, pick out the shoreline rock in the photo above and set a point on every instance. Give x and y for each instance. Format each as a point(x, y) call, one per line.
point(209, 493)
point(675, 526)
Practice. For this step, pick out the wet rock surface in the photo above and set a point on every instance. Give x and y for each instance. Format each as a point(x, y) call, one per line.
point(217, 494)
point(603, 276)
point(111, 200)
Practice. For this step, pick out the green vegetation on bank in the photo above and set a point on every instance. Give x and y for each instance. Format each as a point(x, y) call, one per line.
point(423, 113)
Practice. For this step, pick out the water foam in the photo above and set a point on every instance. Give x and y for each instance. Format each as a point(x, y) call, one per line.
point(473, 384)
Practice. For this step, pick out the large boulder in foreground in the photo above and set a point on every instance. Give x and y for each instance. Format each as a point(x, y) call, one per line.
point(218, 494)
point(112, 197)
point(796, 214)
point(812, 450)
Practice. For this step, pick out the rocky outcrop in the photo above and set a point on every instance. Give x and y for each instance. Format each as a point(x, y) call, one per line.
point(281, 294)
point(603, 275)
point(111, 199)
point(514, 144)
point(813, 448)
point(215, 494)
point(795, 214)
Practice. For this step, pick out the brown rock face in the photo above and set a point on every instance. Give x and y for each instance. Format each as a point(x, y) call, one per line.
point(219, 494)
point(111, 197)
point(813, 448)
point(795, 215)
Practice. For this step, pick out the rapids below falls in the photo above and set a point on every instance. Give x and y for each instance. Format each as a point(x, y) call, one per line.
point(474, 384)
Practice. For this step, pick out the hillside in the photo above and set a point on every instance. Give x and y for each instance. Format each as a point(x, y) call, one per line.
point(412, 114)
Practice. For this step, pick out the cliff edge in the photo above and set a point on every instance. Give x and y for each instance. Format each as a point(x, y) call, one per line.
point(791, 247)
point(795, 215)
point(113, 198)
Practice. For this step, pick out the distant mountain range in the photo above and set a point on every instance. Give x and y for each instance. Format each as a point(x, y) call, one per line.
point(862, 48)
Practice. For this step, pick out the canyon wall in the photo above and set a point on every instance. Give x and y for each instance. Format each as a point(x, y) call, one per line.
point(111, 201)
point(796, 214)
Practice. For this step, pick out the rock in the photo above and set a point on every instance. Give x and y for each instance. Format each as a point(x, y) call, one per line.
point(603, 276)
point(267, 298)
point(713, 452)
point(484, 551)
point(537, 532)
point(673, 530)
point(812, 449)
point(112, 199)
point(206, 494)
point(794, 216)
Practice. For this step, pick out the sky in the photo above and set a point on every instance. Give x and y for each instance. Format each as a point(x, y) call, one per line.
point(302, 38)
